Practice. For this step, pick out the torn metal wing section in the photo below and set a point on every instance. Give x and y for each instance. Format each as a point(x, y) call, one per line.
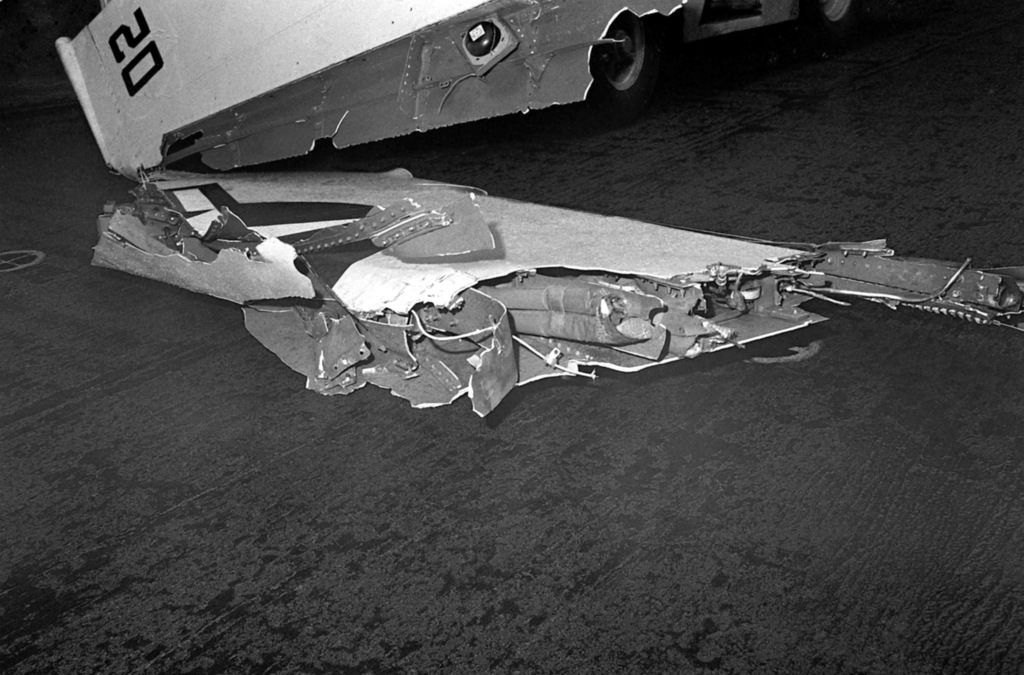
point(436, 291)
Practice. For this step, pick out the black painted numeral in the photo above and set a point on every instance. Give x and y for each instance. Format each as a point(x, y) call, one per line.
point(134, 81)
point(131, 40)
point(133, 84)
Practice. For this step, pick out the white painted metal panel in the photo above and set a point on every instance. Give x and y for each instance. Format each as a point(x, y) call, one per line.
point(196, 58)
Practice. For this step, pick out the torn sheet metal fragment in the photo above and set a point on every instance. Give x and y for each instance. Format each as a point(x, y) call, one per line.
point(339, 348)
point(429, 361)
point(282, 330)
point(465, 350)
point(265, 271)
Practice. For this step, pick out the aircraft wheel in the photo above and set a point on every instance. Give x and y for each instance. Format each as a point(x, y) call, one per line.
point(833, 20)
point(625, 72)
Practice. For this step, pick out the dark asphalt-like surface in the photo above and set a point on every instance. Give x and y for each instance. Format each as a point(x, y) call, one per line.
point(173, 501)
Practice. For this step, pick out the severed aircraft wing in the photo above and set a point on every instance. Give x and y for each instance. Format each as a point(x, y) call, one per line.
point(436, 291)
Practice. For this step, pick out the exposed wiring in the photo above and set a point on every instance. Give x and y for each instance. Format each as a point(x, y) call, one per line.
point(949, 284)
point(1007, 325)
point(417, 323)
point(879, 296)
point(481, 331)
point(451, 88)
point(794, 289)
point(450, 338)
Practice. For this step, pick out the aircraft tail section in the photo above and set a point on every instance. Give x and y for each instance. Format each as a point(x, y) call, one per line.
point(144, 68)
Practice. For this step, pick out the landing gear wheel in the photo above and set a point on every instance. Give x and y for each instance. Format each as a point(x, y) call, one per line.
point(625, 72)
point(832, 20)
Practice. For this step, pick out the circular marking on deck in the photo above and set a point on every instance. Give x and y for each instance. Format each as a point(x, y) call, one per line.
point(12, 261)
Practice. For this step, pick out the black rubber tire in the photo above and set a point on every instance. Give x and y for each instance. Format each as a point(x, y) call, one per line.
point(831, 21)
point(624, 74)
